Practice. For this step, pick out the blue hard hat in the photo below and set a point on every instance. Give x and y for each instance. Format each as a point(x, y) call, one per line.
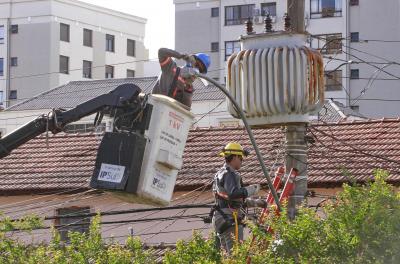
point(205, 60)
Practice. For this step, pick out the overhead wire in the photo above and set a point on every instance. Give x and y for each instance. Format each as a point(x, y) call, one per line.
point(49, 94)
point(182, 212)
point(98, 66)
point(209, 112)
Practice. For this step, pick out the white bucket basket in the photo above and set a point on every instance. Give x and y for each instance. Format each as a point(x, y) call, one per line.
point(167, 134)
point(277, 84)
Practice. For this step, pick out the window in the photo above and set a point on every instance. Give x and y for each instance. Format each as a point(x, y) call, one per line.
point(109, 43)
point(87, 37)
point(236, 15)
point(87, 69)
point(14, 61)
point(354, 37)
point(1, 34)
point(327, 44)
point(325, 8)
point(130, 47)
point(14, 29)
point(1, 102)
point(268, 8)
point(1, 66)
point(109, 72)
point(231, 47)
point(354, 74)
point(214, 46)
point(64, 64)
point(333, 80)
point(354, 2)
point(215, 12)
point(12, 95)
point(63, 224)
point(64, 32)
point(130, 73)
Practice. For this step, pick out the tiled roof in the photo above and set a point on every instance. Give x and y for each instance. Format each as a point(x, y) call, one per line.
point(77, 92)
point(340, 152)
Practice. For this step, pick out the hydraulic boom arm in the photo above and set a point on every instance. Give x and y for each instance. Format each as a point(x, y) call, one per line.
point(125, 96)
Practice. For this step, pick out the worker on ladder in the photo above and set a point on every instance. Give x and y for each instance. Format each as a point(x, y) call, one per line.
point(177, 82)
point(230, 197)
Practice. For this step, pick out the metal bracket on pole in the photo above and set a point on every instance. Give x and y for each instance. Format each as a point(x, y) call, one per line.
point(251, 136)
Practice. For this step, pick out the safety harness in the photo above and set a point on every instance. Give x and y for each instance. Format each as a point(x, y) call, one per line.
point(233, 205)
point(175, 91)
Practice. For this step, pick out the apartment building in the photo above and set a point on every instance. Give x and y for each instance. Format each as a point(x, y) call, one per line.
point(47, 43)
point(358, 39)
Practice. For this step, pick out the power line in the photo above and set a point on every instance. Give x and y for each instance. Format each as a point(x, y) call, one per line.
point(97, 66)
point(160, 232)
point(352, 147)
point(130, 211)
point(368, 99)
point(124, 221)
point(379, 40)
point(48, 94)
point(209, 112)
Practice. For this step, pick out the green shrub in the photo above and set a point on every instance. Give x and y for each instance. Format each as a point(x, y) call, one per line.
point(360, 226)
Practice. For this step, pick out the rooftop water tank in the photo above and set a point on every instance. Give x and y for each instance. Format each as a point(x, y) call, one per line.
point(276, 79)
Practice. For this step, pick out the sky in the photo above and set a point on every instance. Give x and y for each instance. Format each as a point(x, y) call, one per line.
point(160, 14)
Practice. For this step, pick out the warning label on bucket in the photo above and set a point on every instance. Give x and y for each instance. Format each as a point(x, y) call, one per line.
point(171, 134)
point(111, 173)
point(160, 181)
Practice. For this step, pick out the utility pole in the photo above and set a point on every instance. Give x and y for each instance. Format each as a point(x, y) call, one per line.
point(296, 148)
point(295, 10)
point(296, 157)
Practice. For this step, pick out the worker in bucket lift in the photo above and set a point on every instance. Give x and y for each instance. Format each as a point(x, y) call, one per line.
point(177, 82)
point(231, 197)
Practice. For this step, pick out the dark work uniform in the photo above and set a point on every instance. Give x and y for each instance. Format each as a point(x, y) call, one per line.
point(169, 82)
point(230, 196)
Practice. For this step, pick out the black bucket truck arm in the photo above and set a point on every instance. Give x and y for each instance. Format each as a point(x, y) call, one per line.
point(120, 102)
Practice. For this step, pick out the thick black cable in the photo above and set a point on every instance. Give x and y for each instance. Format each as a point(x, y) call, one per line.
point(122, 221)
point(130, 211)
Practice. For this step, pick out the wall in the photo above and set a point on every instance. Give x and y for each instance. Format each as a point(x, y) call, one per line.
point(37, 45)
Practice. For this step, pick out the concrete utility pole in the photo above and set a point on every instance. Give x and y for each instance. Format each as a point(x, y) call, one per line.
point(296, 157)
point(295, 10)
point(296, 148)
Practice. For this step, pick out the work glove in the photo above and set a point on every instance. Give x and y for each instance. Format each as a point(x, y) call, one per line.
point(188, 72)
point(252, 189)
point(190, 59)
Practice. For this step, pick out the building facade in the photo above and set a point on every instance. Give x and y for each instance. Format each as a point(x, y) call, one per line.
point(358, 40)
point(46, 43)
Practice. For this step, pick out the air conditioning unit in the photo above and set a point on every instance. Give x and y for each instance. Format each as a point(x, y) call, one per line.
point(353, 2)
point(328, 12)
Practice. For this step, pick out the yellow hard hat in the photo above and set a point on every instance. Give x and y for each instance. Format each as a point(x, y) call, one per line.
point(233, 148)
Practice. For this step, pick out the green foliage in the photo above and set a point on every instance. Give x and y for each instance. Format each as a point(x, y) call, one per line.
point(196, 250)
point(360, 226)
point(82, 248)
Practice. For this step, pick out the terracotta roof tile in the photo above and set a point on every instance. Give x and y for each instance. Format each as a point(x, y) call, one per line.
point(341, 152)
